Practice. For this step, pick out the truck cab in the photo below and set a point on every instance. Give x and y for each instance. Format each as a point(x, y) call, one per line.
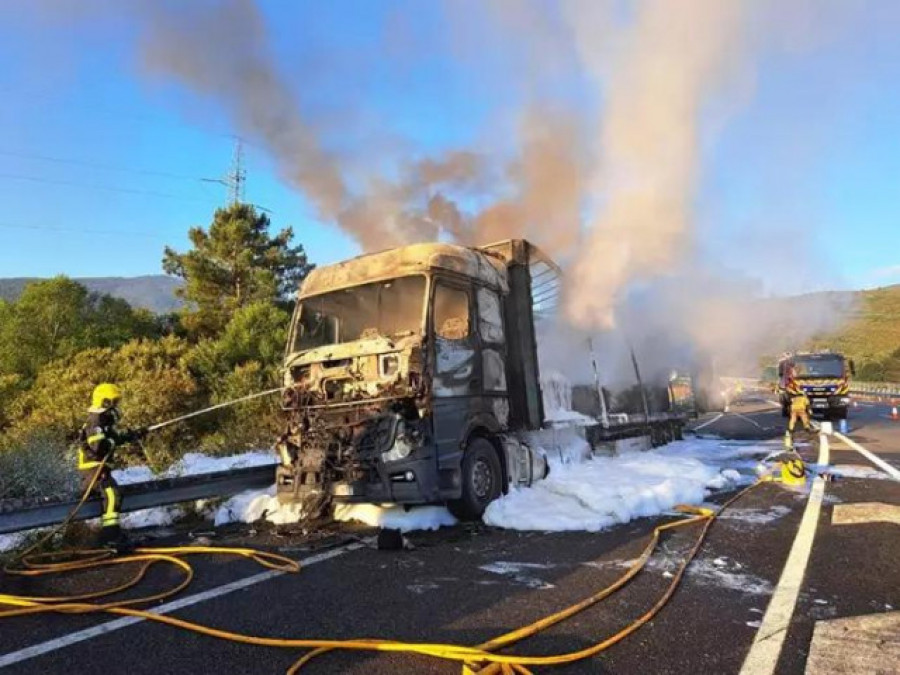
point(824, 377)
point(408, 374)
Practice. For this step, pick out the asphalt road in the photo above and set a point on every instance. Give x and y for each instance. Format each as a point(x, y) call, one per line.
point(470, 583)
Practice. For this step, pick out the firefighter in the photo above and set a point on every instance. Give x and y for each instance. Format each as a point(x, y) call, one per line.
point(99, 440)
point(800, 409)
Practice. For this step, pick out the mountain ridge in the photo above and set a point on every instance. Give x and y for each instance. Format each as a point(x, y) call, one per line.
point(155, 292)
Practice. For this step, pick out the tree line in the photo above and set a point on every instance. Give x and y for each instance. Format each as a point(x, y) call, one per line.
point(58, 340)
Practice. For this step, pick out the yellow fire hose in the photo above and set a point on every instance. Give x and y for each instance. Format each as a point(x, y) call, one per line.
point(481, 658)
point(57, 562)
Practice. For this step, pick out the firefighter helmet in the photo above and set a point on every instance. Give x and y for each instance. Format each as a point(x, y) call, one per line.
point(105, 396)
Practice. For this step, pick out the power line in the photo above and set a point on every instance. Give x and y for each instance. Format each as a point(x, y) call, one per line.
point(236, 177)
point(96, 165)
point(80, 230)
point(95, 186)
point(53, 106)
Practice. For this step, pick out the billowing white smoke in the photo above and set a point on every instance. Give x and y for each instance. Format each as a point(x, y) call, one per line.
point(661, 65)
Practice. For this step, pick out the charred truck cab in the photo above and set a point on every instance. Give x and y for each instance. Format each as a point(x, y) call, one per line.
point(408, 374)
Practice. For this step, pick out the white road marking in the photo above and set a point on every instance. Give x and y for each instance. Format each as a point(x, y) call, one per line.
point(117, 624)
point(872, 457)
point(763, 656)
point(708, 422)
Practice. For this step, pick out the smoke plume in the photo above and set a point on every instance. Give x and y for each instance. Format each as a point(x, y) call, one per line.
point(549, 178)
point(222, 51)
point(664, 65)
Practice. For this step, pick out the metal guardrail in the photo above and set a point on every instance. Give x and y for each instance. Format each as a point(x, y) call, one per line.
point(146, 495)
point(733, 382)
point(875, 388)
point(891, 389)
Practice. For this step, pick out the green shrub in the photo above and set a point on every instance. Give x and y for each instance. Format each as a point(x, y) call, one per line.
point(160, 379)
point(39, 464)
point(256, 332)
point(156, 386)
point(11, 386)
point(248, 425)
point(57, 318)
point(244, 360)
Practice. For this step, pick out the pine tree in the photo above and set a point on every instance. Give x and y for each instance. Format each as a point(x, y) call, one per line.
point(233, 264)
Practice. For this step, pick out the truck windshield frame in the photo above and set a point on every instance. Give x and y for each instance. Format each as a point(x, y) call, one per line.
point(390, 308)
point(819, 366)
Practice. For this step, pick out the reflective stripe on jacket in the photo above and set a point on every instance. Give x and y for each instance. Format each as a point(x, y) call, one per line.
point(99, 439)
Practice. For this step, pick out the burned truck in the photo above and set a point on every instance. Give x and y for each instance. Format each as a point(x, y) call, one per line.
point(412, 377)
point(408, 376)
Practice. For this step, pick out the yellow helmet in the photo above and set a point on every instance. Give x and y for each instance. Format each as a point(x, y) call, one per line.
point(105, 396)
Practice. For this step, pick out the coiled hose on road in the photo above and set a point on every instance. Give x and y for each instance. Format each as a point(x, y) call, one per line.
point(481, 659)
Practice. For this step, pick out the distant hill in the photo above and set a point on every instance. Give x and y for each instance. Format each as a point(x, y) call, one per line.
point(154, 292)
point(862, 325)
point(871, 334)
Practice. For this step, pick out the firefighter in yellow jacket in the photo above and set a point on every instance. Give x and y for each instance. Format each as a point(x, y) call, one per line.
point(99, 440)
point(800, 408)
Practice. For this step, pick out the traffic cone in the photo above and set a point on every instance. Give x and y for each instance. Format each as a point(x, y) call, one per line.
point(894, 414)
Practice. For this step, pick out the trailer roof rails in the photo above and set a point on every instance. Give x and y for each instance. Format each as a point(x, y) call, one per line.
point(546, 275)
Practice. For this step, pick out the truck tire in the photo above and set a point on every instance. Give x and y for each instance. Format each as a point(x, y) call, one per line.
point(669, 434)
point(785, 409)
point(482, 480)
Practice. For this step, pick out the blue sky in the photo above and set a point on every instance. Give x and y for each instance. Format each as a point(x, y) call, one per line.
point(101, 167)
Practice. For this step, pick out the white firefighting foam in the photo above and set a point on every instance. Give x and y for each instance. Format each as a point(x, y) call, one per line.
point(599, 492)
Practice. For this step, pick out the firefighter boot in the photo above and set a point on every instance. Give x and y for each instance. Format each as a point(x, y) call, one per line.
point(113, 538)
point(108, 535)
point(123, 545)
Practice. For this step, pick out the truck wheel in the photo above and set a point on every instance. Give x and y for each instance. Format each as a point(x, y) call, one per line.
point(482, 480)
point(785, 411)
